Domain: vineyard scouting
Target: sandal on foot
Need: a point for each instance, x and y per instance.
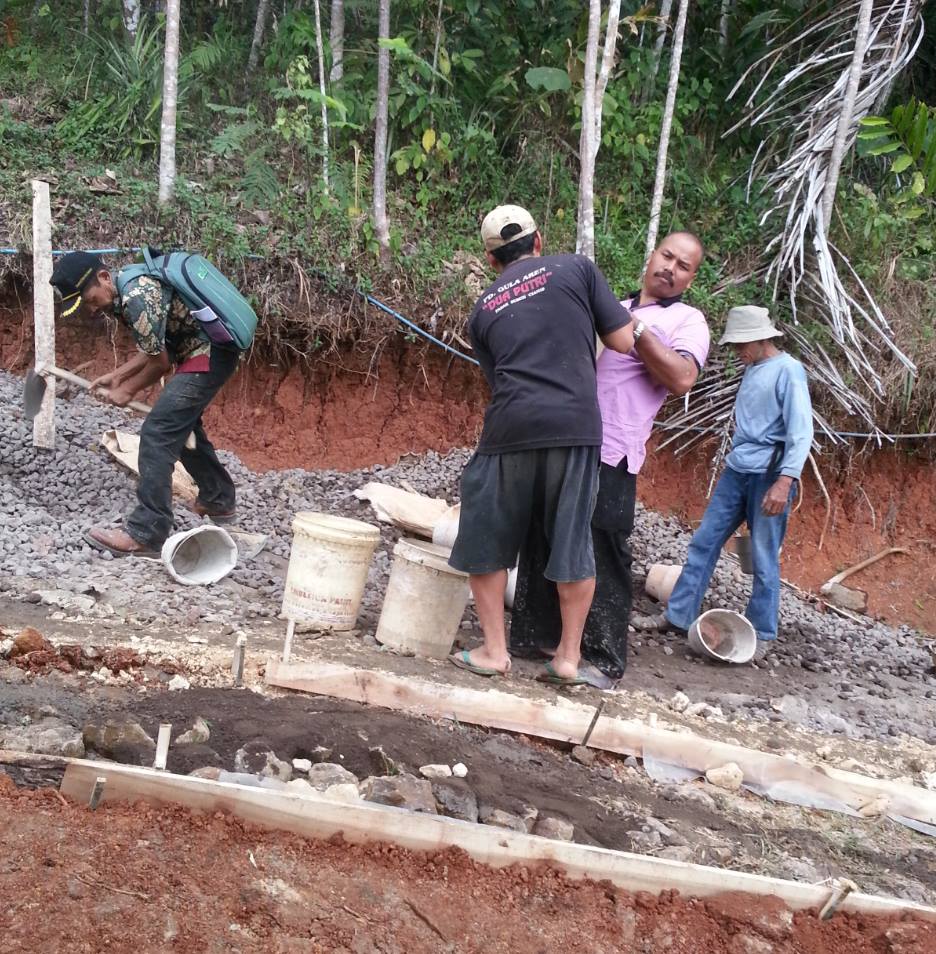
(462, 659)
(549, 675)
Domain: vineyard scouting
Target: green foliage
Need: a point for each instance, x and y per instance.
(908, 139)
(121, 111)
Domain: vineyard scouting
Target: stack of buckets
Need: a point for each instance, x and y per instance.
(328, 567)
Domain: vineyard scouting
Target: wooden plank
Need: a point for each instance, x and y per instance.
(314, 816)
(31, 770)
(569, 722)
(43, 311)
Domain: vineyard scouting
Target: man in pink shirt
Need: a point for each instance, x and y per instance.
(671, 345)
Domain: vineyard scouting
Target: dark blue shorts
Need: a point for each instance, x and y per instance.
(501, 494)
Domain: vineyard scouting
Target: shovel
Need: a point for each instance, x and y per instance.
(844, 596)
(35, 388)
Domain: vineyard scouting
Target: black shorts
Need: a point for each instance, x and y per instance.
(501, 493)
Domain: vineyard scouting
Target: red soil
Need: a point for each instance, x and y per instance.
(351, 410)
(139, 878)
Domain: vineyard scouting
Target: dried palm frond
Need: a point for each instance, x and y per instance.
(799, 88)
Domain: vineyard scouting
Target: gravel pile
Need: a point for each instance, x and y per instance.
(48, 499)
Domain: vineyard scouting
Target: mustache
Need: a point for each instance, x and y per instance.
(666, 275)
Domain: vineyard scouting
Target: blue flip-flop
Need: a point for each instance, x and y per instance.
(554, 679)
(462, 659)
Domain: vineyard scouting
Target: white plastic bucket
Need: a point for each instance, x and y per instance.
(200, 556)
(661, 579)
(425, 600)
(327, 572)
(736, 638)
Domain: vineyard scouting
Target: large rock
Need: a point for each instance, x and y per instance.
(401, 791)
(49, 736)
(256, 758)
(556, 828)
(488, 815)
(197, 735)
(122, 741)
(456, 800)
(326, 775)
(728, 776)
(29, 641)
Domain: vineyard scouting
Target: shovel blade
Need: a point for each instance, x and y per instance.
(33, 392)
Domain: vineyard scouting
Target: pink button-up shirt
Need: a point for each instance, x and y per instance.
(628, 396)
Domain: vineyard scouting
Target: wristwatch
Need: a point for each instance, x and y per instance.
(638, 330)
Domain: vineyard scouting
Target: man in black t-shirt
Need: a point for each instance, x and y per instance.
(533, 332)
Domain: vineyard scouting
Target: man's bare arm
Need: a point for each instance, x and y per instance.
(673, 370)
(150, 371)
(621, 340)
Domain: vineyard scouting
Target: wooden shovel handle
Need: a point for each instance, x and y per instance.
(864, 563)
(85, 385)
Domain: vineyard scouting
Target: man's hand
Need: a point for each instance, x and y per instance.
(104, 381)
(119, 396)
(775, 500)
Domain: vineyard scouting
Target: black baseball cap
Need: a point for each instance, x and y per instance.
(71, 273)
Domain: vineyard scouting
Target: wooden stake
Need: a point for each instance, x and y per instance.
(593, 723)
(842, 888)
(162, 745)
(237, 666)
(97, 792)
(43, 310)
(313, 815)
(287, 646)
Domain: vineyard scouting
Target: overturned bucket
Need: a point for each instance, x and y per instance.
(425, 601)
(723, 635)
(327, 572)
(661, 579)
(200, 556)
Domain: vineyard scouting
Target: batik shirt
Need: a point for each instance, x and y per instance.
(160, 321)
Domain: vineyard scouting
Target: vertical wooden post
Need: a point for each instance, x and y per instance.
(43, 311)
(162, 745)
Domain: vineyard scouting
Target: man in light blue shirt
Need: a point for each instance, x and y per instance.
(773, 435)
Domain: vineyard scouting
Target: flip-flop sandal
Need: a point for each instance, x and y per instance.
(553, 678)
(463, 660)
(101, 545)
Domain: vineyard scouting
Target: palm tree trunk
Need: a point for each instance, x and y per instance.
(381, 228)
(585, 238)
(131, 17)
(321, 66)
(656, 205)
(167, 133)
(845, 116)
(336, 41)
(263, 9)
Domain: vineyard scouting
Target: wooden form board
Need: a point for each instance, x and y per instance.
(569, 722)
(43, 311)
(314, 816)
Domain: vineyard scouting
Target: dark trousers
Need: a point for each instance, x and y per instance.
(536, 623)
(176, 414)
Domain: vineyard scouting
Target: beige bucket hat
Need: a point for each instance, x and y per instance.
(748, 323)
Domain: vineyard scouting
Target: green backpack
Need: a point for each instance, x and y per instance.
(221, 310)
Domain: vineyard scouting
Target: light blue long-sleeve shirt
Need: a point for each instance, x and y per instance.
(773, 407)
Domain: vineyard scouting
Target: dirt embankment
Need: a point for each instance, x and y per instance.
(138, 882)
(354, 409)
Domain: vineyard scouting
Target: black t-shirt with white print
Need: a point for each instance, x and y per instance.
(533, 332)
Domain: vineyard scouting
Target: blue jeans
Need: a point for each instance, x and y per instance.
(176, 414)
(737, 498)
